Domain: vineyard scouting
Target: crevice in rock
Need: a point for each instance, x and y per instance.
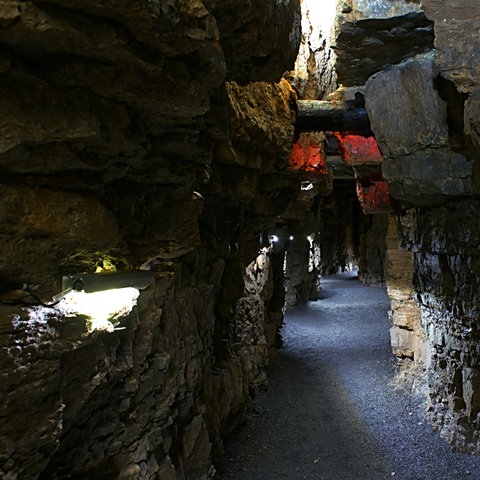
(455, 102)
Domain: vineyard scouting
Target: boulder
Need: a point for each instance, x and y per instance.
(409, 120)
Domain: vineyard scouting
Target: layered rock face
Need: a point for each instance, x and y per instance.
(123, 148)
(314, 75)
(407, 336)
(456, 40)
(420, 163)
(430, 152)
(445, 245)
(416, 64)
(373, 35)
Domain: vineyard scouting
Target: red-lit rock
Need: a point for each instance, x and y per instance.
(358, 150)
(308, 153)
(374, 196)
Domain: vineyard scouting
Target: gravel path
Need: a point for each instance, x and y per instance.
(331, 411)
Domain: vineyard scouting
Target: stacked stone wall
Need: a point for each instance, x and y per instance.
(446, 282)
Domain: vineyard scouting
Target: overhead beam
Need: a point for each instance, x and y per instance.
(324, 116)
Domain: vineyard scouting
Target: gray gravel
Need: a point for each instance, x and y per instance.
(332, 410)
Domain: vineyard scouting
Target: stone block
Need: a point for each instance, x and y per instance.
(365, 46)
(428, 177)
(406, 113)
(405, 343)
(374, 196)
(406, 315)
(358, 150)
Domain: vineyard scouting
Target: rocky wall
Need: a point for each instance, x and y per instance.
(351, 239)
(373, 35)
(339, 234)
(314, 76)
(301, 233)
(446, 281)
(406, 333)
(122, 148)
(456, 40)
(302, 270)
(431, 159)
(420, 165)
(372, 249)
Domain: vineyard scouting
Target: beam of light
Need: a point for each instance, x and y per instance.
(101, 309)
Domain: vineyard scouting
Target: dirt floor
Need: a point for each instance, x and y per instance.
(333, 410)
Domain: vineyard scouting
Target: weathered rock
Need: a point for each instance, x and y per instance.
(314, 76)
(450, 229)
(308, 155)
(472, 118)
(262, 118)
(409, 121)
(260, 41)
(171, 27)
(104, 105)
(166, 230)
(43, 227)
(302, 270)
(358, 150)
(372, 248)
(405, 111)
(406, 333)
(438, 173)
(339, 235)
(372, 36)
(456, 40)
(119, 138)
(446, 283)
(374, 195)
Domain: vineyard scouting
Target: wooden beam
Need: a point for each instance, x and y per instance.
(324, 116)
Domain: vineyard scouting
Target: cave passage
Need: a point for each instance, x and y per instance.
(335, 408)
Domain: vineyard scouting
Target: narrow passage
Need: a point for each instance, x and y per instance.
(331, 411)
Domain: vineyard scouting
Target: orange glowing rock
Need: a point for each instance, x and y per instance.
(308, 156)
(358, 150)
(374, 196)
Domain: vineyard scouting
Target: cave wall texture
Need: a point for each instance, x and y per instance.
(430, 150)
(140, 134)
(157, 135)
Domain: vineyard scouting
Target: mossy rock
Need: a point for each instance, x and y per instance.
(92, 262)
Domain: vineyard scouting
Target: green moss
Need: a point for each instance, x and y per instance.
(89, 262)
